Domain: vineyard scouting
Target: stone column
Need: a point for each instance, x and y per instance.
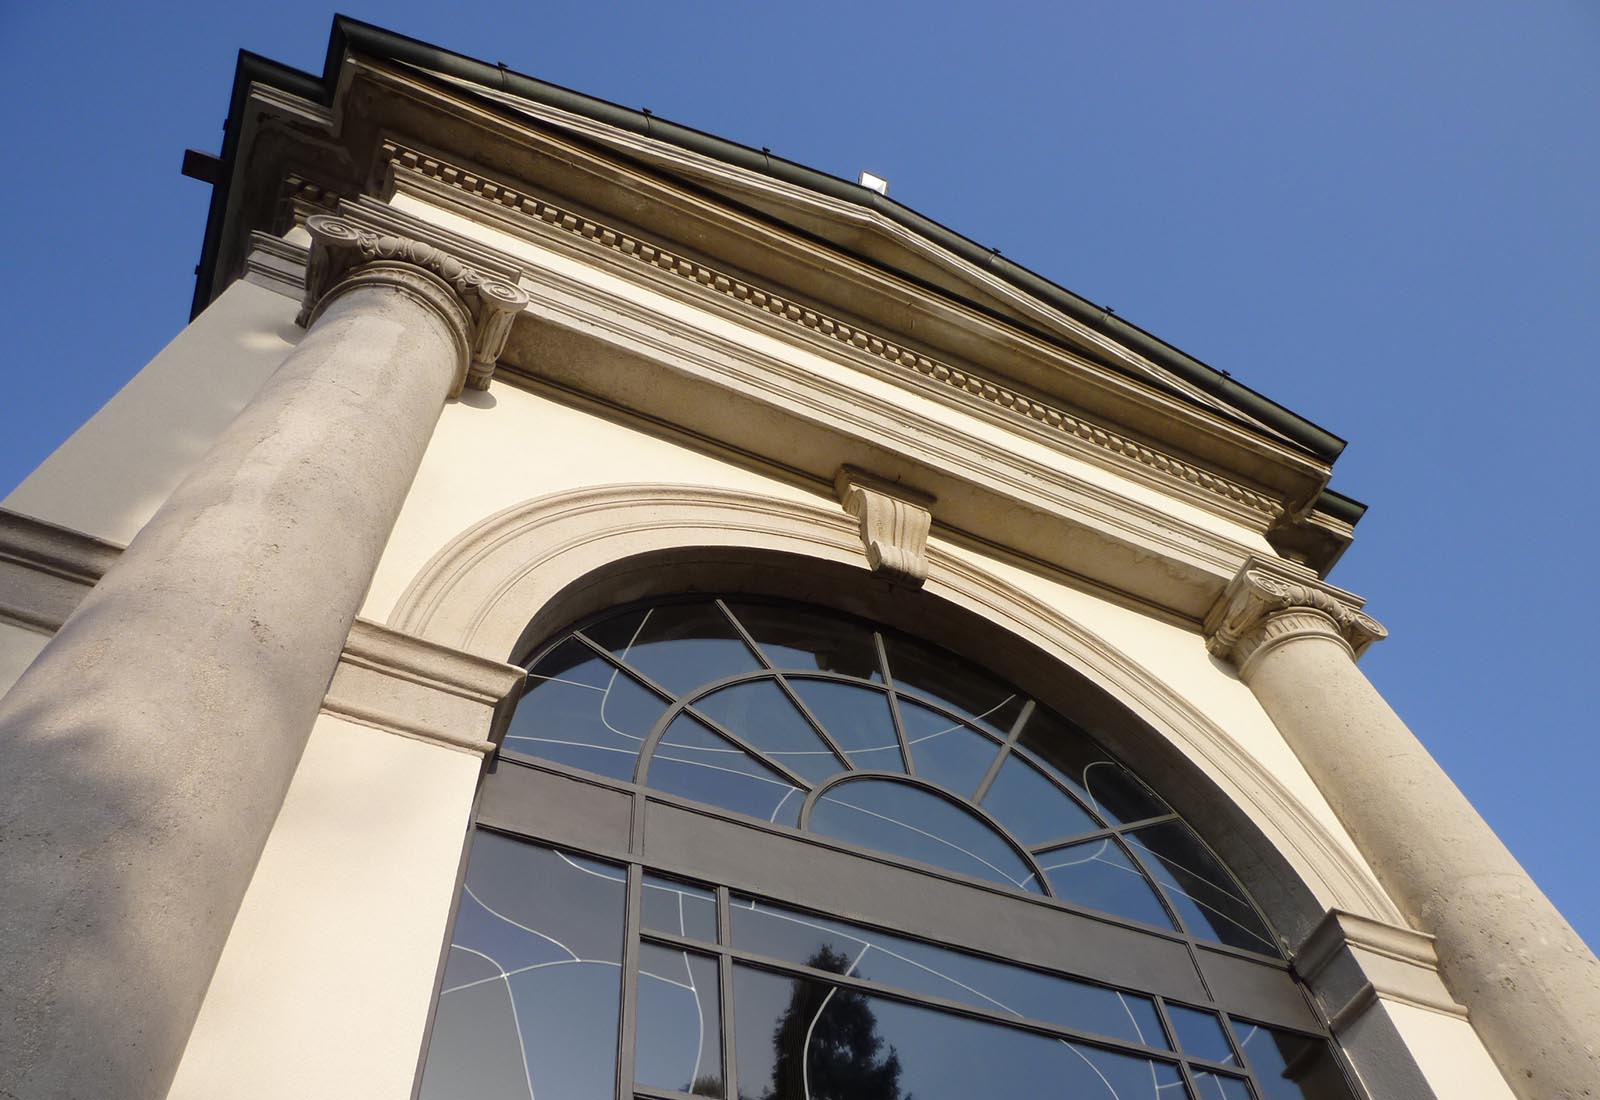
(1531, 986)
(144, 755)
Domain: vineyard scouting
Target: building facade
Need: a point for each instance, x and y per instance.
(587, 609)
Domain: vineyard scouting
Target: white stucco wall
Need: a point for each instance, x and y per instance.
(326, 981)
(111, 475)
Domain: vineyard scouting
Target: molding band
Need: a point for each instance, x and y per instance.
(1009, 401)
(421, 689)
(46, 570)
(1350, 961)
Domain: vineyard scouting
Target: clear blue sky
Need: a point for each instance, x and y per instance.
(1383, 215)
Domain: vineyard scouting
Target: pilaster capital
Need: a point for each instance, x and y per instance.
(1271, 601)
(478, 307)
(895, 521)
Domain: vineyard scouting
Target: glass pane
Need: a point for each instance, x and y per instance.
(955, 682)
(531, 993)
(1033, 808)
(909, 821)
(577, 709)
(1105, 785)
(1200, 888)
(679, 646)
(919, 967)
(762, 714)
(800, 1039)
(668, 905)
(944, 751)
(679, 1044)
(1098, 874)
(858, 720)
(1290, 1067)
(694, 762)
(793, 638)
(1219, 1086)
(1200, 1034)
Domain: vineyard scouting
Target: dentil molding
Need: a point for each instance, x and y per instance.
(1271, 601)
(480, 307)
(894, 522)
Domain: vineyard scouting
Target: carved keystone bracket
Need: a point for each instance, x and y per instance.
(894, 521)
(1270, 601)
(341, 249)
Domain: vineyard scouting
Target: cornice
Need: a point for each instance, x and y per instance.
(1106, 446)
(1350, 961)
(45, 570)
(1272, 601)
(409, 686)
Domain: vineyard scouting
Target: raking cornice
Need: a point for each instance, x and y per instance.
(1115, 449)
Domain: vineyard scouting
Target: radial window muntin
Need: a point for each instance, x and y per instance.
(1169, 910)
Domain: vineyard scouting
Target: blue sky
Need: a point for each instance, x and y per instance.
(1382, 215)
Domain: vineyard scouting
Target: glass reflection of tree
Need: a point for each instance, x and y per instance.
(827, 1044)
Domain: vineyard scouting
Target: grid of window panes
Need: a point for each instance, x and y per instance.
(572, 978)
(821, 722)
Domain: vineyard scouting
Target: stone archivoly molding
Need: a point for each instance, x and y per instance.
(1350, 961)
(1009, 401)
(45, 570)
(423, 690)
(1271, 601)
(895, 522)
(342, 250)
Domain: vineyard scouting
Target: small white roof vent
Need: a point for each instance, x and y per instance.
(874, 183)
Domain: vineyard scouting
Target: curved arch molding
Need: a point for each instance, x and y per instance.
(481, 590)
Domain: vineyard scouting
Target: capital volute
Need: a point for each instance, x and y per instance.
(1270, 602)
(479, 308)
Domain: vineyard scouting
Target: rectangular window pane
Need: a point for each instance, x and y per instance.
(799, 1038)
(678, 909)
(1289, 1066)
(679, 1042)
(532, 987)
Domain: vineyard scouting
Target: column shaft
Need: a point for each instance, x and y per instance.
(1531, 985)
(145, 754)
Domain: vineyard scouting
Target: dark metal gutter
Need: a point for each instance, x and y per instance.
(351, 35)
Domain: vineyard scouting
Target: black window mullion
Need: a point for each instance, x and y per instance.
(1098, 834)
(894, 704)
(722, 731)
(1005, 751)
(629, 1029)
(730, 1071)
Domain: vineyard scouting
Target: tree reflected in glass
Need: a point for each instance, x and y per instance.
(826, 1044)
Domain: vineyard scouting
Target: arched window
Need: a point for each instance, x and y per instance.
(755, 850)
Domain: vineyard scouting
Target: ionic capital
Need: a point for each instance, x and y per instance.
(478, 308)
(1270, 602)
(895, 522)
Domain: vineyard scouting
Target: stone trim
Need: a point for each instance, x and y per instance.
(46, 570)
(1272, 601)
(1349, 961)
(276, 264)
(895, 521)
(479, 308)
(1012, 404)
(423, 690)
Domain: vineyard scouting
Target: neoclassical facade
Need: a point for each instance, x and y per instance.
(587, 609)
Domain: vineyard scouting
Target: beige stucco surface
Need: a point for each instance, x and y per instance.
(1449, 1053)
(109, 477)
(18, 647)
(325, 985)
